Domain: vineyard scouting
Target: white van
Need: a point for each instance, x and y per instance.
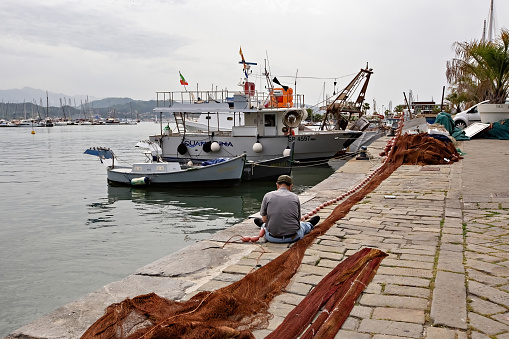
(468, 117)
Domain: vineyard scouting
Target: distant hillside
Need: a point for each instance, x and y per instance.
(110, 102)
(120, 107)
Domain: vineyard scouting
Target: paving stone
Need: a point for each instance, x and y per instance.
(306, 278)
(373, 288)
(333, 249)
(490, 293)
(452, 230)
(343, 334)
(275, 322)
(415, 252)
(361, 311)
(406, 281)
(260, 334)
(280, 309)
(448, 306)
(477, 248)
(407, 263)
(474, 275)
(440, 333)
(503, 318)
(314, 269)
(384, 336)
(288, 298)
(213, 285)
(452, 238)
(328, 263)
(407, 291)
(451, 261)
(486, 325)
(484, 307)
(399, 314)
(393, 301)
(482, 257)
(451, 247)
(426, 258)
(391, 328)
(493, 269)
(326, 255)
(477, 335)
(298, 288)
(350, 324)
(238, 269)
(402, 271)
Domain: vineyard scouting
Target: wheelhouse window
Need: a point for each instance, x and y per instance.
(270, 120)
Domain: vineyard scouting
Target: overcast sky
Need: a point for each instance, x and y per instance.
(133, 48)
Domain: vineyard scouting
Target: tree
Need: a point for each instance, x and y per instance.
(365, 108)
(398, 109)
(480, 69)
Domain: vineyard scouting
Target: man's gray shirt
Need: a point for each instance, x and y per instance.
(282, 209)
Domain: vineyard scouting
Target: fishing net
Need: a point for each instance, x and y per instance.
(236, 310)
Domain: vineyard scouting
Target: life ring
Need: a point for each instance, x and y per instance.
(207, 147)
(182, 149)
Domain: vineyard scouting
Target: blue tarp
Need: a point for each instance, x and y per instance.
(213, 161)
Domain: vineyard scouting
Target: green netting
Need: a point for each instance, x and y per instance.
(445, 119)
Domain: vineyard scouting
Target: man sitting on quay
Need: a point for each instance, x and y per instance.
(280, 213)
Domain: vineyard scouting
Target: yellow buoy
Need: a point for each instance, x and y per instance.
(33, 132)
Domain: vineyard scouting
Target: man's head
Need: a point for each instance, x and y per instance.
(284, 180)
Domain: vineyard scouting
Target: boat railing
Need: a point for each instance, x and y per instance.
(253, 99)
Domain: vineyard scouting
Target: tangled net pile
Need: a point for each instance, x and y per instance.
(236, 310)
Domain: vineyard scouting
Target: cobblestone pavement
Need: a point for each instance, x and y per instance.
(445, 228)
(447, 272)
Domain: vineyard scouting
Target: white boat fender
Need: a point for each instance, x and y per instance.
(287, 152)
(140, 181)
(182, 149)
(206, 147)
(215, 147)
(257, 147)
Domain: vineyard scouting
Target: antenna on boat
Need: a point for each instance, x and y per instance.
(270, 85)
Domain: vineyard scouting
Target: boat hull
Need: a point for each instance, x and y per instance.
(308, 146)
(267, 169)
(227, 173)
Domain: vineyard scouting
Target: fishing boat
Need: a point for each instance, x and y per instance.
(261, 125)
(217, 172)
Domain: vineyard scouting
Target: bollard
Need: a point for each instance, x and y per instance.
(362, 154)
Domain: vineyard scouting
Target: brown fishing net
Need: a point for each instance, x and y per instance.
(236, 310)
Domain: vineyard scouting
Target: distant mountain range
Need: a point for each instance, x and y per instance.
(14, 103)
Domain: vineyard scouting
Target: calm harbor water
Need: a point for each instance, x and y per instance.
(65, 233)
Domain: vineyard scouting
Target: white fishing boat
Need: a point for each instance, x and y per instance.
(260, 125)
(217, 172)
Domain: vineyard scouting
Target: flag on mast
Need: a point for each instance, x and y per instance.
(246, 67)
(182, 80)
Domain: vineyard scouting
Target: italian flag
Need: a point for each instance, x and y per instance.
(182, 80)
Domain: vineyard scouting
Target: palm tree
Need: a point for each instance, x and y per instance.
(481, 69)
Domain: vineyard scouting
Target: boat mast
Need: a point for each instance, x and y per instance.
(490, 23)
